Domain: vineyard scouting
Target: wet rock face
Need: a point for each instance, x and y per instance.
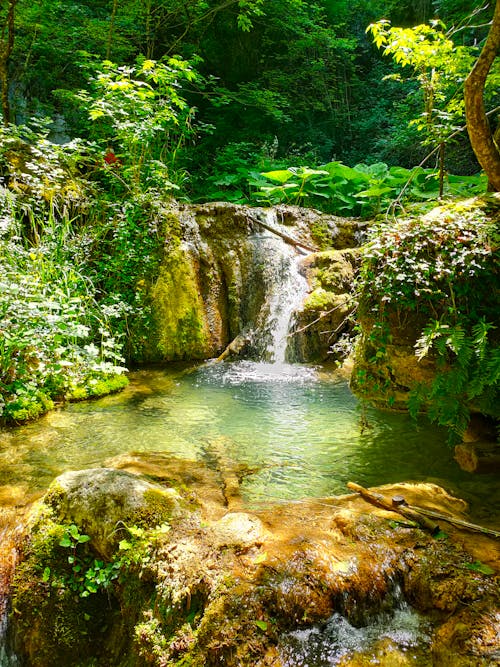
(326, 313)
(212, 287)
(217, 586)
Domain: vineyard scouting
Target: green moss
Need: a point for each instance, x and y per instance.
(96, 387)
(57, 627)
(178, 313)
(157, 510)
(321, 300)
(27, 407)
(321, 234)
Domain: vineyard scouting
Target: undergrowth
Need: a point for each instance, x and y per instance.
(442, 268)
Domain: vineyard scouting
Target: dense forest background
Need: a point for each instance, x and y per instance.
(270, 81)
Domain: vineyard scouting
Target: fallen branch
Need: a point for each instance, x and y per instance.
(288, 239)
(408, 513)
(456, 522)
(418, 514)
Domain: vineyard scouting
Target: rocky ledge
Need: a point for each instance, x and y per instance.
(154, 561)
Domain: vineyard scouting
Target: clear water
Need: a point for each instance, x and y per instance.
(302, 429)
(299, 428)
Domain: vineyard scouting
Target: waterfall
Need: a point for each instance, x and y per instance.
(286, 289)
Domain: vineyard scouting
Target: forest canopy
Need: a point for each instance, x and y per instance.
(271, 81)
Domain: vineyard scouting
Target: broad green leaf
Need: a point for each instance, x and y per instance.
(339, 169)
(281, 175)
(65, 541)
(262, 625)
(477, 566)
(375, 191)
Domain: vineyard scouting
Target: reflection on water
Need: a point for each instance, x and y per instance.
(301, 430)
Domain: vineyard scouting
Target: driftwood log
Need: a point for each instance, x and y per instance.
(420, 515)
(400, 508)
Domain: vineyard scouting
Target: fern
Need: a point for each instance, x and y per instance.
(443, 270)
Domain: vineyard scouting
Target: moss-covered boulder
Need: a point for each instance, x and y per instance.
(326, 315)
(99, 500)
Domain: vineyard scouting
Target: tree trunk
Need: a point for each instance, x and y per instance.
(6, 46)
(111, 29)
(478, 127)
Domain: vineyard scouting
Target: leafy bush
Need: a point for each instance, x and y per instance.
(140, 112)
(55, 339)
(441, 268)
(363, 190)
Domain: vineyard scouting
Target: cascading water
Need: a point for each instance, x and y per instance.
(399, 630)
(286, 289)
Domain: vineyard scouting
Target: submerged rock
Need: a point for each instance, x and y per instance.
(208, 586)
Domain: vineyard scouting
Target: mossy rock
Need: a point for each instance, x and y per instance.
(325, 313)
(226, 591)
(100, 500)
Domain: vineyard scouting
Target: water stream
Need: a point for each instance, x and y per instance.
(397, 635)
(300, 427)
(286, 289)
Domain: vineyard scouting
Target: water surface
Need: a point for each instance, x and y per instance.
(300, 429)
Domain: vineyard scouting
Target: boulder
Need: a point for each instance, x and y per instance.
(232, 587)
(101, 500)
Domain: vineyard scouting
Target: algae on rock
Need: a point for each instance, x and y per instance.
(212, 287)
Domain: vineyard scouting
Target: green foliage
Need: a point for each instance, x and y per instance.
(477, 566)
(56, 339)
(78, 571)
(45, 178)
(440, 268)
(439, 66)
(363, 190)
(82, 573)
(140, 110)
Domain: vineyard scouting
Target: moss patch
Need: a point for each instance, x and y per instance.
(178, 313)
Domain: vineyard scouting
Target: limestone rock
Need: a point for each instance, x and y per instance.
(212, 284)
(99, 500)
(227, 589)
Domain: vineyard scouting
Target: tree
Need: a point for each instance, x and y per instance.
(6, 47)
(439, 66)
(483, 143)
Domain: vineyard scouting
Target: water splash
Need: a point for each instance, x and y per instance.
(401, 630)
(236, 373)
